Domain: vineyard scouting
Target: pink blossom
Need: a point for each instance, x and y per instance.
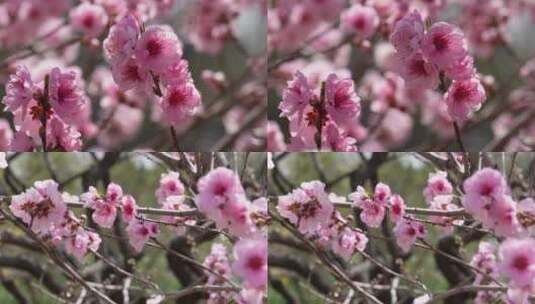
(464, 97)
(62, 137)
(437, 184)
(42, 206)
(180, 101)
(517, 261)
(217, 261)
(219, 187)
(79, 242)
(372, 211)
(91, 19)
(335, 139)
(481, 189)
(443, 202)
(128, 74)
(176, 203)
(157, 47)
(121, 41)
(114, 193)
(140, 231)
(250, 262)
(104, 209)
(485, 260)
(503, 217)
(104, 213)
(307, 207)
(419, 73)
(397, 207)
(296, 96)
(18, 90)
(177, 73)
(66, 96)
(407, 231)
(461, 69)
(444, 44)
(222, 198)
(347, 241)
(128, 208)
(170, 185)
(342, 103)
(408, 34)
(361, 20)
(382, 194)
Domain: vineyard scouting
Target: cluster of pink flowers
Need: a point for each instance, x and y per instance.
(437, 184)
(439, 196)
(441, 50)
(148, 60)
(513, 260)
(44, 209)
(171, 196)
(105, 209)
(373, 210)
(222, 198)
(57, 102)
(407, 231)
(373, 207)
(40, 206)
(487, 197)
(250, 264)
(311, 209)
(486, 261)
(217, 261)
(517, 263)
(320, 117)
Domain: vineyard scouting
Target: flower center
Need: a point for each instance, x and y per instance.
(220, 189)
(42, 209)
(461, 93)
(176, 97)
(521, 262)
(255, 262)
(359, 23)
(309, 209)
(154, 47)
(132, 72)
(486, 190)
(64, 92)
(418, 68)
(440, 42)
(88, 21)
